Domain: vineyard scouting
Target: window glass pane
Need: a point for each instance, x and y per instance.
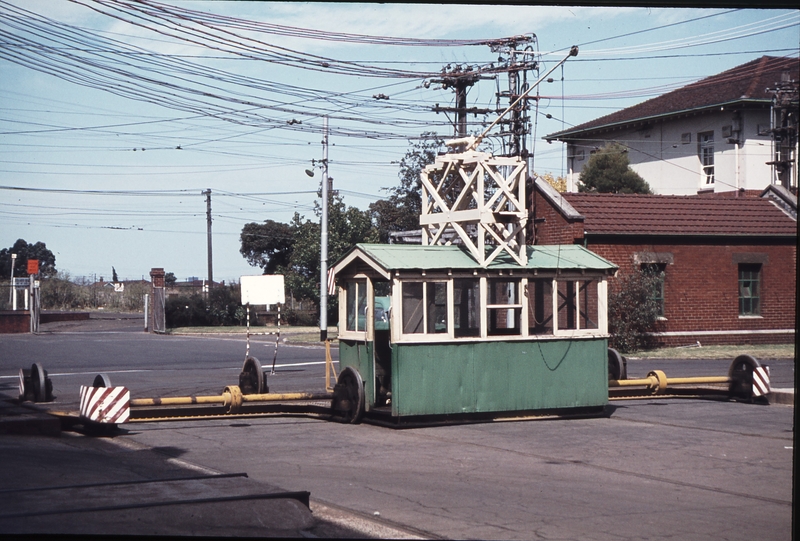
(466, 295)
(437, 307)
(356, 305)
(540, 306)
(412, 307)
(503, 320)
(749, 289)
(566, 305)
(361, 321)
(587, 296)
(351, 306)
(705, 148)
(383, 305)
(659, 270)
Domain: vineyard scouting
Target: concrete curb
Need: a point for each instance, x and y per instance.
(781, 396)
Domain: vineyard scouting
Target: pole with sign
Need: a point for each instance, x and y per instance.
(33, 270)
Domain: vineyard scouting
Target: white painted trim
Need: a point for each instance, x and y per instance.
(719, 333)
(441, 338)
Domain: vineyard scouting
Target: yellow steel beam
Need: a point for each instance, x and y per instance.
(657, 381)
(226, 398)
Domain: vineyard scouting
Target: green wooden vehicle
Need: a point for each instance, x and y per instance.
(427, 332)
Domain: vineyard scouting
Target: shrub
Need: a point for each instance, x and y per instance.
(221, 308)
(60, 293)
(301, 318)
(633, 311)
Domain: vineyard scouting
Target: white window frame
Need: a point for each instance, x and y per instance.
(369, 331)
(396, 321)
(705, 142)
(398, 317)
(602, 307)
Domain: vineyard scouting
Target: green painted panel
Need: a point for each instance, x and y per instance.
(477, 377)
(408, 256)
(359, 356)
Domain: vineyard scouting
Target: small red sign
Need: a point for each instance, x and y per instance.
(33, 266)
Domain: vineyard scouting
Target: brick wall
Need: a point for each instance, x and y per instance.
(551, 226)
(701, 288)
(15, 321)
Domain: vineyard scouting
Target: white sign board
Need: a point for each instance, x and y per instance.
(264, 289)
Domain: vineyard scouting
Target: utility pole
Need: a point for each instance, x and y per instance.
(518, 64)
(520, 58)
(460, 81)
(323, 263)
(207, 193)
(784, 128)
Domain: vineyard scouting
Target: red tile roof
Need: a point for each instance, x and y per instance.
(748, 82)
(628, 214)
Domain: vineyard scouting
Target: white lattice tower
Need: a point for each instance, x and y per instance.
(479, 197)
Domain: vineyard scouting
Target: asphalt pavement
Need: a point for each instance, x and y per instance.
(658, 469)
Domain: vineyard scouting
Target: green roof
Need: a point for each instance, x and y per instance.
(392, 257)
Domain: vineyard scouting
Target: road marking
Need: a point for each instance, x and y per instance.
(287, 365)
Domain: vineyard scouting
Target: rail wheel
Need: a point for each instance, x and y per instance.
(101, 380)
(741, 374)
(617, 365)
(348, 396)
(39, 383)
(252, 380)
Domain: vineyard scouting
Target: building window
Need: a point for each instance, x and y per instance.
(540, 306)
(424, 307)
(466, 300)
(658, 271)
(357, 305)
(504, 308)
(588, 314)
(749, 289)
(686, 138)
(705, 150)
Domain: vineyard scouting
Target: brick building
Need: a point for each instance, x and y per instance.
(729, 263)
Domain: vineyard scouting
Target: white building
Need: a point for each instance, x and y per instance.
(723, 133)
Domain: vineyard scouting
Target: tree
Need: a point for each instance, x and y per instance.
(114, 277)
(633, 310)
(25, 251)
(401, 210)
(170, 279)
(267, 245)
(558, 183)
(293, 249)
(346, 226)
(608, 171)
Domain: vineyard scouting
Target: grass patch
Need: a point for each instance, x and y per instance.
(759, 351)
(292, 334)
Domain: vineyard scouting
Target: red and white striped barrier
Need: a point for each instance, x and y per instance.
(110, 405)
(761, 381)
(22, 384)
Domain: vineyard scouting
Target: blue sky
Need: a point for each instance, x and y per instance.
(110, 130)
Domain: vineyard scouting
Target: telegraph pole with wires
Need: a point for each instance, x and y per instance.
(207, 193)
(517, 57)
(518, 63)
(460, 80)
(323, 257)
